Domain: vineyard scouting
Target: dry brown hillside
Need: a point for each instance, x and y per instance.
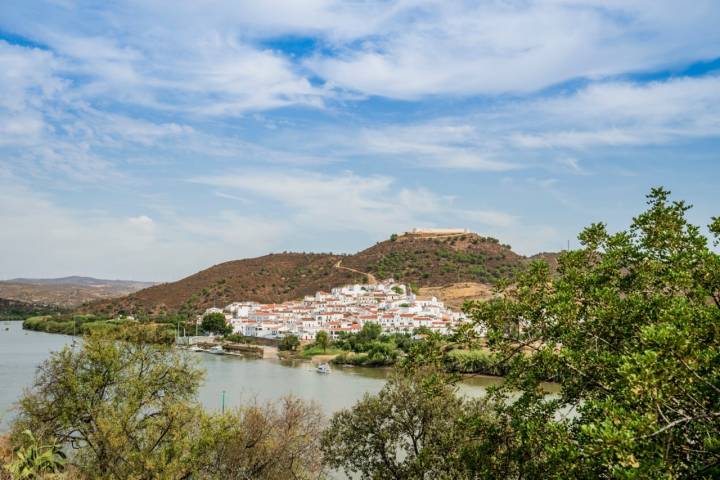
(424, 261)
(268, 279)
(66, 293)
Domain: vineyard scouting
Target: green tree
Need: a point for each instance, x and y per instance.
(322, 340)
(629, 326)
(410, 430)
(215, 323)
(370, 331)
(289, 342)
(128, 410)
(124, 408)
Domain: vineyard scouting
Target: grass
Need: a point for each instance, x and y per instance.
(313, 350)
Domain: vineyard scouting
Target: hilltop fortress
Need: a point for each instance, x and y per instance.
(437, 231)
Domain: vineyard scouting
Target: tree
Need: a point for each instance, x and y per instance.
(629, 326)
(123, 408)
(215, 323)
(393, 237)
(289, 342)
(411, 429)
(272, 441)
(370, 331)
(322, 340)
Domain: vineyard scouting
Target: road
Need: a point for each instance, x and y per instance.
(370, 277)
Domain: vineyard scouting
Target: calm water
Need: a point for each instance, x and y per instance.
(243, 380)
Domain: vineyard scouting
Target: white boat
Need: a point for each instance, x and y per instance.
(323, 368)
(195, 348)
(217, 350)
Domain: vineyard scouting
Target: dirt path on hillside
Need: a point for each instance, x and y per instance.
(370, 277)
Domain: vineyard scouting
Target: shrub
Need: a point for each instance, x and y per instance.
(472, 361)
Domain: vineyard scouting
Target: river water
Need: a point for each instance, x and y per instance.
(242, 380)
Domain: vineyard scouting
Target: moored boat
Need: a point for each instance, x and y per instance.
(323, 368)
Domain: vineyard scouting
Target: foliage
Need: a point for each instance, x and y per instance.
(409, 430)
(473, 361)
(16, 310)
(370, 347)
(289, 342)
(34, 461)
(378, 354)
(85, 324)
(126, 410)
(630, 325)
(121, 406)
(322, 340)
(215, 323)
(273, 441)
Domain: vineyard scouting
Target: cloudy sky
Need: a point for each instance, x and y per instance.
(147, 139)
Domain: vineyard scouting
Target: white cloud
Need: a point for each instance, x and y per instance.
(48, 240)
(350, 202)
(437, 48)
(623, 113)
(516, 135)
(436, 144)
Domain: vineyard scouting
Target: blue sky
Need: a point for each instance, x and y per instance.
(150, 139)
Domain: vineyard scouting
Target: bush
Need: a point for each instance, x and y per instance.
(473, 361)
(289, 343)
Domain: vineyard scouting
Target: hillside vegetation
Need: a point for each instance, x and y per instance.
(422, 261)
(17, 310)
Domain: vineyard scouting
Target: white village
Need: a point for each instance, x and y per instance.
(342, 310)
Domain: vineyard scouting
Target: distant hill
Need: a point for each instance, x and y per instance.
(67, 291)
(421, 260)
(84, 281)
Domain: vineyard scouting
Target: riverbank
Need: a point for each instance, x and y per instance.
(379, 351)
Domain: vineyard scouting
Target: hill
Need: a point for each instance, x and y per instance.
(420, 260)
(86, 282)
(66, 292)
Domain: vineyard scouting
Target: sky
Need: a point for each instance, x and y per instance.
(149, 139)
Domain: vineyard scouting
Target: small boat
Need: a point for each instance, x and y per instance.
(323, 368)
(217, 350)
(195, 348)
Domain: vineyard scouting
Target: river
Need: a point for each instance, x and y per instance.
(242, 380)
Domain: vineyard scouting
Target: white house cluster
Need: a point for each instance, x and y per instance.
(344, 309)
